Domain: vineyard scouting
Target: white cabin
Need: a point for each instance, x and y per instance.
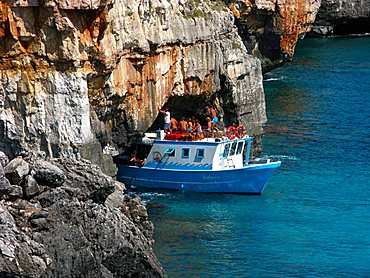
(205, 154)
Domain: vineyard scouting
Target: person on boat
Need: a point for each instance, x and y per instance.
(134, 161)
(190, 125)
(173, 125)
(183, 125)
(193, 122)
(211, 111)
(197, 127)
(167, 119)
(209, 125)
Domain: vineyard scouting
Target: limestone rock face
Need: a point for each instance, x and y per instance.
(338, 17)
(77, 75)
(271, 28)
(85, 226)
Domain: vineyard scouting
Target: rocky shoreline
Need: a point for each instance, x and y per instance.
(64, 218)
(77, 76)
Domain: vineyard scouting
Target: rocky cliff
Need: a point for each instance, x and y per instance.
(77, 75)
(337, 17)
(63, 218)
(270, 29)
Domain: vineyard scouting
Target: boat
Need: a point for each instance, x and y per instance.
(215, 163)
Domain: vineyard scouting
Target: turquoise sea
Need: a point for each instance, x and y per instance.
(313, 220)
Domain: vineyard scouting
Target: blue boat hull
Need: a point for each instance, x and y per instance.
(251, 179)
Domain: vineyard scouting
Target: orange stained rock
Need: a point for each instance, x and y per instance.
(142, 82)
(295, 21)
(235, 11)
(248, 3)
(3, 17)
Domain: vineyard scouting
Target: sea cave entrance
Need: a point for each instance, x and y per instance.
(359, 26)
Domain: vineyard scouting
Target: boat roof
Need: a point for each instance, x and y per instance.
(184, 137)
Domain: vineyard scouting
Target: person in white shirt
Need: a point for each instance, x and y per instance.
(167, 119)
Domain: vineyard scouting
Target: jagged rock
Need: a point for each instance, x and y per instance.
(67, 238)
(16, 170)
(30, 187)
(77, 229)
(48, 174)
(1, 171)
(342, 17)
(85, 180)
(4, 160)
(4, 186)
(137, 209)
(39, 214)
(15, 191)
(21, 255)
(39, 224)
(48, 198)
(115, 200)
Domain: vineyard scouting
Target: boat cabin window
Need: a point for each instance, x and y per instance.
(185, 153)
(233, 148)
(226, 150)
(239, 149)
(200, 153)
(170, 152)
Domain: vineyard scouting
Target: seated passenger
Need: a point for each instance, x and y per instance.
(183, 125)
(190, 125)
(209, 125)
(173, 125)
(134, 161)
(197, 127)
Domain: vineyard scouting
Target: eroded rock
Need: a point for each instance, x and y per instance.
(83, 227)
(89, 73)
(339, 17)
(16, 170)
(48, 174)
(4, 160)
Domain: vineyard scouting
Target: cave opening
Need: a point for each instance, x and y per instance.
(359, 26)
(183, 106)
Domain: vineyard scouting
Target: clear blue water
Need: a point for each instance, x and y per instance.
(313, 220)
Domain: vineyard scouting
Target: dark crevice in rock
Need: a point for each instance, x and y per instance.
(182, 106)
(261, 39)
(353, 26)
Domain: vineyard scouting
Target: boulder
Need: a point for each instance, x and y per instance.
(115, 200)
(48, 174)
(30, 187)
(16, 170)
(15, 191)
(4, 186)
(21, 255)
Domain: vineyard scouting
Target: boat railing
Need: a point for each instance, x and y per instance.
(195, 136)
(192, 136)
